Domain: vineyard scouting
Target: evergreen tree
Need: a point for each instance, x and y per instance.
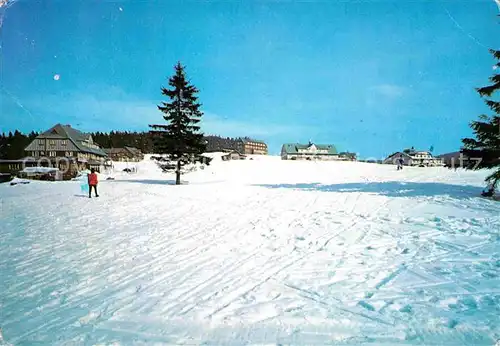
(12, 146)
(3, 146)
(485, 148)
(180, 139)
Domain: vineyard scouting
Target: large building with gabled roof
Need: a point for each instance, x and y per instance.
(412, 157)
(66, 148)
(310, 151)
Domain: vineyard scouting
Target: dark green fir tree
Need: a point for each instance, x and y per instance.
(180, 139)
(484, 149)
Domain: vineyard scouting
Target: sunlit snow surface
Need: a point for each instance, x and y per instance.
(258, 251)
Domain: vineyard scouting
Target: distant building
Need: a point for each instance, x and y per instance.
(232, 155)
(66, 148)
(250, 146)
(310, 151)
(347, 156)
(15, 166)
(412, 157)
(245, 145)
(456, 160)
(130, 154)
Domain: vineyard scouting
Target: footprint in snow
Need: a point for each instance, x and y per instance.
(434, 300)
(366, 305)
(452, 323)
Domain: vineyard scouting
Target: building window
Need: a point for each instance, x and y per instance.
(52, 142)
(40, 142)
(52, 153)
(64, 143)
(68, 154)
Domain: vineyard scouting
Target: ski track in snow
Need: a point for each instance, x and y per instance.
(262, 251)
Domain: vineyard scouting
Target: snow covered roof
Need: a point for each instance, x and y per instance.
(398, 153)
(246, 140)
(39, 169)
(293, 148)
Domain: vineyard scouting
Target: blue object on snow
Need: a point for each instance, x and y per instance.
(84, 186)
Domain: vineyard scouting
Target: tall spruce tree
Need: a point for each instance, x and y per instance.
(485, 148)
(181, 139)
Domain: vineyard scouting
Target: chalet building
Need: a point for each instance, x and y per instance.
(310, 151)
(129, 154)
(412, 157)
(66, 148)
(10, 168)
(347, 156)
(248, 146)
(15, 166)
(232, 155)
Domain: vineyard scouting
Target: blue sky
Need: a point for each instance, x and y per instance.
(370, 77)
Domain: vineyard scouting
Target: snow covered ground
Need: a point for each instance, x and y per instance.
(258, 251)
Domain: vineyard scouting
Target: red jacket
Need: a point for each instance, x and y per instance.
(92, 177)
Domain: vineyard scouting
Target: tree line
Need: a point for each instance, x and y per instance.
(12, 144)
(119, 139)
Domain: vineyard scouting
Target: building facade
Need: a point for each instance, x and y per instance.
(10, 168)
(412, 157)
(347, 156)
(66, 148)
(125, 154)
(232, 155)
(248, 146)
(310, 151)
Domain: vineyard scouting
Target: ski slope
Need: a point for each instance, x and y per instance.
(258, 251)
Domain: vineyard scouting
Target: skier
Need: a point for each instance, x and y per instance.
(400, 162)
(92, 180)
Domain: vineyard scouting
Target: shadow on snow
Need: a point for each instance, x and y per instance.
(149, 181)
(162, 182)
(390, 188)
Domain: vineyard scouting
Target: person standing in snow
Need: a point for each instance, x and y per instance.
(400, 163)
(92, 180)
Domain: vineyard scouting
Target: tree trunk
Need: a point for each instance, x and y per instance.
(178, 173)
